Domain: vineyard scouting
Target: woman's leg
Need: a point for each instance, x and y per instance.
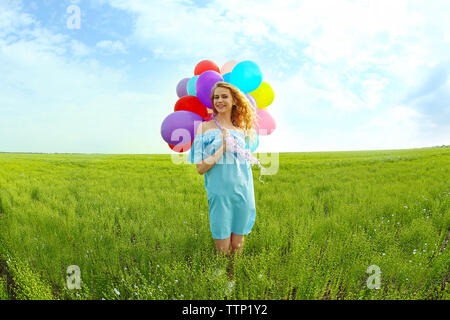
(237, 243)
(223, 245)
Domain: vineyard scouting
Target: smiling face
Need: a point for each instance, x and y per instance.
(223, 100)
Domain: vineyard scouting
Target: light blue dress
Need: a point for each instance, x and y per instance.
(228, 184)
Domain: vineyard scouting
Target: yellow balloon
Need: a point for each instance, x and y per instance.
(264, 95)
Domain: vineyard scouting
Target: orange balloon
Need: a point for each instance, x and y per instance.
(228, 66)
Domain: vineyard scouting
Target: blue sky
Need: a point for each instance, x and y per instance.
(347, 75)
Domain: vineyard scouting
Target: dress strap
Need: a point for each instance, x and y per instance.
(217, 122)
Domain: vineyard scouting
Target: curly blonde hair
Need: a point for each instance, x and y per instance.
(243, 114)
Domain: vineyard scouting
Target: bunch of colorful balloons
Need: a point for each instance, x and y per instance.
(194, 104)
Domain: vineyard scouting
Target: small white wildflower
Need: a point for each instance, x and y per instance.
(230, 287)
(384, 254)
(157, 265)
(117, 291)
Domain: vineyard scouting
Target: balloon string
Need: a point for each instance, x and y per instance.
(244, 153)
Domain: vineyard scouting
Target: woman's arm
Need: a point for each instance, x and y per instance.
(208, 163)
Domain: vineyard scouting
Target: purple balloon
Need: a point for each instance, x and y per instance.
(181, 87)
(252, 100)
(204, 85)
(180, 127)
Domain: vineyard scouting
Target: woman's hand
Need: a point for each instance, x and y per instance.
(225, 134)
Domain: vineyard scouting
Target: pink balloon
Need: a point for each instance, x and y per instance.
(266, 124)
(228, 66)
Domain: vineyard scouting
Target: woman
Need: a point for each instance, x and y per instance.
(228, 177)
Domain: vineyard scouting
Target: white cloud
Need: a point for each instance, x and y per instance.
(79, 49)
(50, 102)
(375, 44)
(373, 88)
(11, 19)
(111, 46)
(396, 127)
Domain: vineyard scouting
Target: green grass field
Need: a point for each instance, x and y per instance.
(137, 227)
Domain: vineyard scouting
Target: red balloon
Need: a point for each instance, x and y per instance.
(209, 117)
(182, 148)
(205, 65)
(192, 104)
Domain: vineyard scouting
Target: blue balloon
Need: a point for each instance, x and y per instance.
(247, 76)
(191, 86)
(227, 77)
